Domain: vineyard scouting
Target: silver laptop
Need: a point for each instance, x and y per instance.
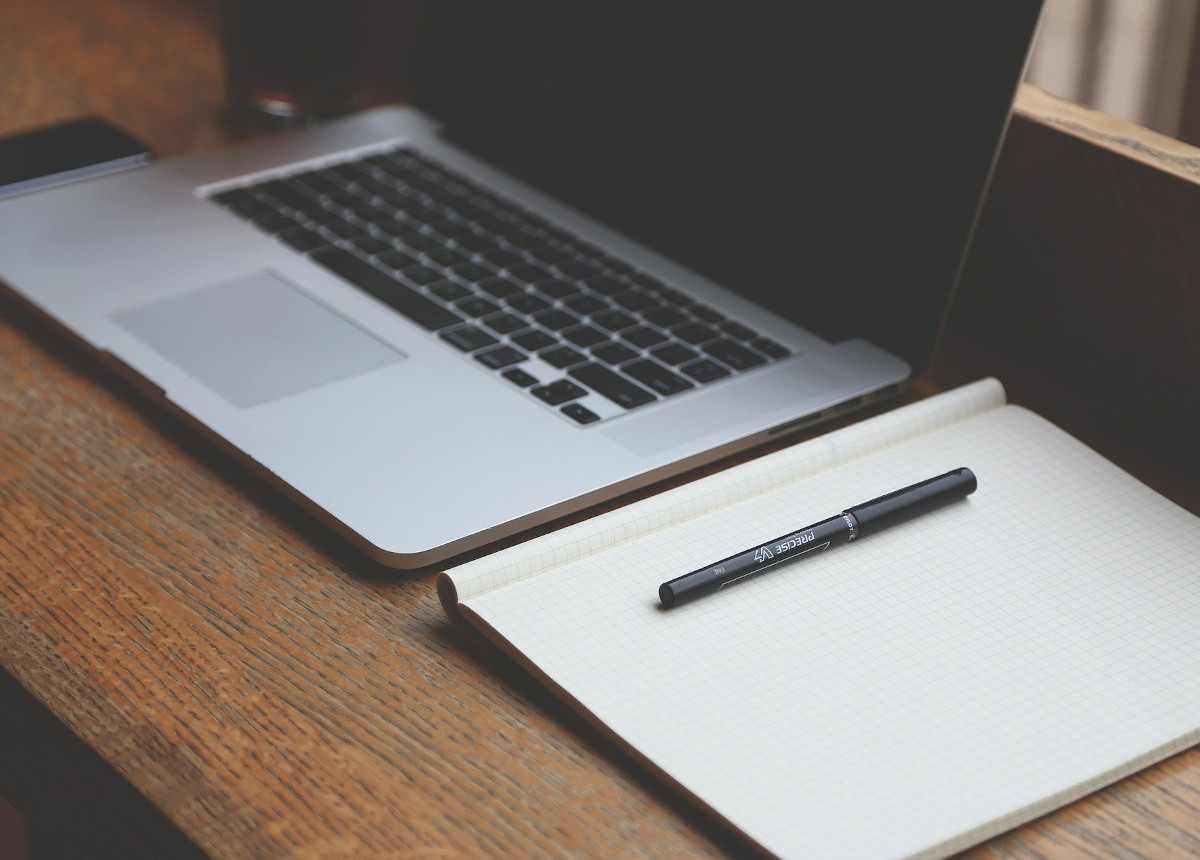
(611, 242)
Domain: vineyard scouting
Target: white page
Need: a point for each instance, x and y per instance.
(913, 693)
(724, 488)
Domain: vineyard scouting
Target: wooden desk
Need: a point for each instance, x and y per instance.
(192, 666)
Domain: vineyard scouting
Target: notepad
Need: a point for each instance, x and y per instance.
(906, 696)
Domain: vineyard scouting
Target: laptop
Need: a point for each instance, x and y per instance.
(609, 242)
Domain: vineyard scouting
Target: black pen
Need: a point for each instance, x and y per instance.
(849, 525)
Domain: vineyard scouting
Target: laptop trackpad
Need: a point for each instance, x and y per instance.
(255, 339)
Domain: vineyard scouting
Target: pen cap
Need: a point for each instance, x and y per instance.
(913, 501)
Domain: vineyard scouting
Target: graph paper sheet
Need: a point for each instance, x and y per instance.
(909, 695)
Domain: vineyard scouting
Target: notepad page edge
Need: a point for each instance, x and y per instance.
(703, 495)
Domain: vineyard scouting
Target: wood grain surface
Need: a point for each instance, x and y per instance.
(194, 667)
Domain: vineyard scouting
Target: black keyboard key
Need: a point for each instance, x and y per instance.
(372, 187)
(380, 162)
(449, 291)
(521, 239)
(576, 269)
(734, 354)
(707, 314)
(396, 198)
(547, 254)
(423, 275)
(527, 272)
(343, 174)
(476, 307)
(321, 216)
(585, 336)
(562, 356)
(314, 180)
(664, 317)
(500, 287)
(585, 305)
(737, 330)
(393, 227)
(504, 323)
(517, 376)
(445, 257)
(472, 242)
(580, 413)
(556, 288)
(501, 356)
(418, 213)
(468, 338)
(647, 281)
(770, 348)
(421, 310)
(395, 259)
(526, 304)
(694, 333)
(274, 222)
(501, 257)
(656, 377)
(390, 168)
(608, 384)
(472, 272)
(445, 224)
(555, 320)
(489, 223)
(559, 392)
(644, 336)
(635, 301)
(371, 244)
(704, 370)
(614, 353)
(452, 229)
(534, 340)
(607, 285)
(673, 353)
(341, 199)
(368, 174)
(303, 239)
(368, 213)
(614, 320)
(343, 230)
(419, 242)
(242, 202)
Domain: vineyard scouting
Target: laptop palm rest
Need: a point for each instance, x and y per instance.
(255, 338)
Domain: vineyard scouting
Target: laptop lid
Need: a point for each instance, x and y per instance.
(825, 160)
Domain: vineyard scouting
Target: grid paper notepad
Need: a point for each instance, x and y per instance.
(907, 696)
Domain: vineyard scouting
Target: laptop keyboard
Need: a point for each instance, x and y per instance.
(502, 284)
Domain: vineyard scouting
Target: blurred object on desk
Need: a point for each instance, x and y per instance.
(292, 61)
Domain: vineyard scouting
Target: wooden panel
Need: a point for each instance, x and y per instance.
(1086, 269)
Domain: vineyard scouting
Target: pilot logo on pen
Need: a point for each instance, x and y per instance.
(762, 554)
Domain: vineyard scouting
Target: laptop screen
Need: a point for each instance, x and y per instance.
(825, 160)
